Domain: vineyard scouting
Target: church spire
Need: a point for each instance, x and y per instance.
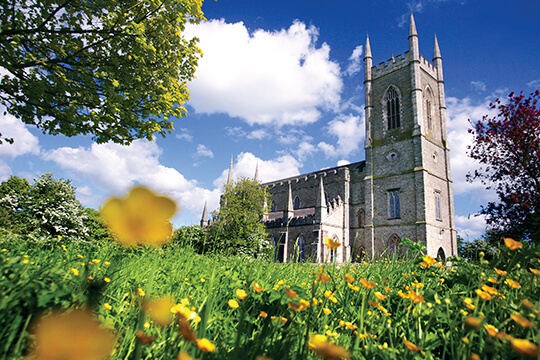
(413, 40)
(436, 50)
(204, 219)
(256, 177)
(230, 176)
(412, 27)
(368, 48)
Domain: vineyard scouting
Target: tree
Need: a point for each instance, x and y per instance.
(115, 69)
(508, 147)
(239, 228)
(48, 207)
(13, 193)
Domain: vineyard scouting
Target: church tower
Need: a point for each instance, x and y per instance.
(408, 187)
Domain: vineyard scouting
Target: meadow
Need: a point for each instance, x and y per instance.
(169, 302)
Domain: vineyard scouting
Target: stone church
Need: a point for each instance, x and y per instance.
(402, 190)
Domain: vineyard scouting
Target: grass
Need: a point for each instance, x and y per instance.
(411, 312)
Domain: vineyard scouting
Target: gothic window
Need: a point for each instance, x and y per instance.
(361, 218)
(300, 248)
(429, 109)
(297, 202)
(441, 255)
(392, 108)
(393, 244)
(333, 252)
(438, 205)
(360, 254)
(273, 206)
(393, 204)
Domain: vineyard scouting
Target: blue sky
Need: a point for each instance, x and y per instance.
(281, 85)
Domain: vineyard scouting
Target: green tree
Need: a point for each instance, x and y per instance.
(97, 230)
(238, 228)
(49, 207)
(13, 193)
(115, 69)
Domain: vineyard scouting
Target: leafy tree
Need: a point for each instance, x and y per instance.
(238, 228)
(97, 230)
(13, 193)
(193, 236)
(508, 147)
(115, 69)
(48, 207)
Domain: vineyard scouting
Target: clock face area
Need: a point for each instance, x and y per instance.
(392, 156)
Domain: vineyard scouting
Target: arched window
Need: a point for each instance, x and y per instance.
(361, 218)
(429, 109)
(297, 202)
(393, 244)
(300, 248)
(441, 255)
(393, 204)
(360, 254)
(273, 206)
(392, 108)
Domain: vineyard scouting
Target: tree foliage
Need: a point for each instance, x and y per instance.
(508, 147)
(238, 228)
(115, 69)
(47, 207)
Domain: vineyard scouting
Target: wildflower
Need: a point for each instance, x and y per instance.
(75, 272)
(524, 347)
(146, 325)
(299, 306)
(491, 330)
(233, 304)
(349, 278)
(429, 260)
(494, 281)
(513, 284)
(409, 345)
(490, 290)
(414, 297)
(324, 278)
(185, 329)
(281, 282)
(107, 306)
(527, 304)
(183, 356)
(291, 293)
(327, 350)
(403, 295)
(257, 288)
(373, 303)
(330, 296)
(241, 294)
(142, 218)
(331, 243)
(203, 280)
(140, 292)
(160, 310)
(327, 311)
(205, 345)
(368, 284)
(365, 263)
(512, 244)
(63, 248)
(501, 272)
(535, 271)
(350, 326)
(315, 301)
(473, 322)
(107, 280)
(73, 335)
(283, 319)
(352, 287)
(474, 356)
(90, 277)
(469, 304)
(263, 314)
(387, 289)
(521, 320)
(106, 263)
(380, 296)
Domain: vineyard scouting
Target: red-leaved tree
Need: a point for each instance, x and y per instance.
(508, 147)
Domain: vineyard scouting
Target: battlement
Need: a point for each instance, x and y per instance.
(399, 62)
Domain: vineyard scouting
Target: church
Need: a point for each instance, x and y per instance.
(403, 188)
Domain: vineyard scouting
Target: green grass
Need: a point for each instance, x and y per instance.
(37, 276)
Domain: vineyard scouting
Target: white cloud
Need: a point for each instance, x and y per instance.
(24, 141)
(270, 78)
(343, 162)
(470, 227)
(355, 61)
(203, 151)
(115, 168)
(478, 85)
(183, 134)
(534, 84)
(257, 134)
(268, 170)
(349, 129)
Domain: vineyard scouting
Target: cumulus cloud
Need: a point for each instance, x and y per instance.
(183, 134)
(534, 84)
(355, 61)
(203, 151)
(470, 227)
(478, 85)
(349, 130)
(269, 78)
(115, 168)
(268, 170)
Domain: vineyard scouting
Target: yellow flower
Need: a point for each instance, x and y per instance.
(380, 296)
(140, 291)
(291, 293)
(233, 304)
(263, 314)
(315, 302)
(409, 345)
(374, 303)
(324, 278)
(527, 304)
(76, 335)
(492, 330)
(501, 272)
(469, 304)
(474, 356)
(521, 320)
(257, 288)
(75, 272)
(331, 243)
(512, 244)
(107, 280)
(513, 284)
(327, 311)
(327, 350)
(484, 295)
(106, 263)
(283, 319)
(330, 296)
(368, 284)
(429, 260)
(205, 345)
(473, 322)
(299, 306)
(524, 347)
(183, 356)
(490, 290)
(494, 281)
(160, 310)
(352, 287)
(403, 295)
(349, 278)
(535, 271)
(241, 294)
(140, 219)
(415, 297)
(281, 282)
(107, 306)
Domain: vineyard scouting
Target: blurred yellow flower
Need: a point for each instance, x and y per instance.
(315, 302)
(75, 272)
(76, 335)
(429, 260)
(535, 271)
(330, 296)
(527, 304)
(409, 345)
(490, 290)
(291, 293)
(524, 347)
(233, 304)
(299, 306)
(352, 287)
(380, 296)
(501, 272)
(205, 345)
(331, 243)
(263, 314)
(241, 294)
(368, 284)
(327, 350)
(349, 278)
(469, 304)
(521, 320)
(327, 311)
(324, 278)
(415, 297)
(473, 322)
(403, 295)
(160, 310)
(281, 282)
(107, 280)
(491, 330)
(494, 281)
(513, 284)
(107, 306)
(512, 244)
(183, 356)
(257, 287)
(140, 292)
(484, 295)
(283, 319)
(142, 218)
